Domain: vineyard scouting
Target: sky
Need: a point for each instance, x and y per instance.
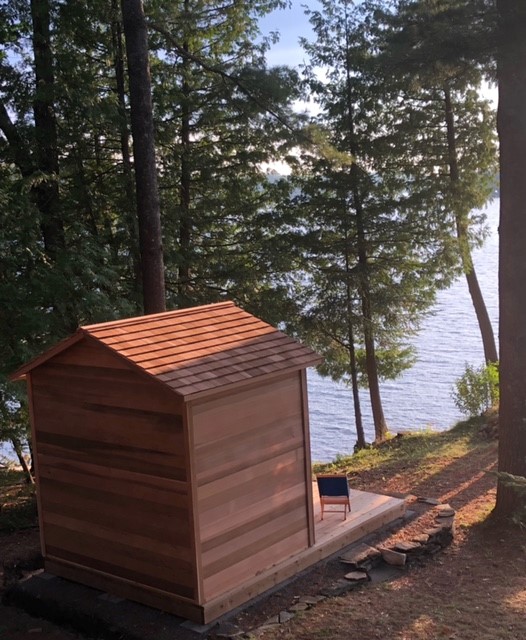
(291, 24)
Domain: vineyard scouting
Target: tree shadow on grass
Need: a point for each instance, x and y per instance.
(448, 466)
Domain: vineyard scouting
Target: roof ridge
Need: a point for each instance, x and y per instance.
(147, 318)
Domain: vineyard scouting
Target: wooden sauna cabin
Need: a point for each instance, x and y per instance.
(172, 456)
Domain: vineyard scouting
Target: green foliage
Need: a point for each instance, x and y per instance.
(18, 509)
(14, 415)
(224, 235)
(449, 35)
(477, 389)
(341, 251)
(376, 238)
(221, 115)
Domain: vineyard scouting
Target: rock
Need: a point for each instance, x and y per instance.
(271, 621)
(432, 501)
(285, 616)
(362, 556)
(442, 534)
(422, 538)
(357, 576)
(407, 546)
(446, 523)
(445, 512)
(300, 606)
(394, 558)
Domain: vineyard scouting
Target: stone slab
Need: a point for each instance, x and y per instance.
(394, 558)
(361, 554)
(357, 576)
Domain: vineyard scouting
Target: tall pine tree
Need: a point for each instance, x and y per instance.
(373, 261)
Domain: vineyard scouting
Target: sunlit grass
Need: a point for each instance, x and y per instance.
(425, 450)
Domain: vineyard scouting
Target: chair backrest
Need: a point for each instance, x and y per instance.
(333, 485)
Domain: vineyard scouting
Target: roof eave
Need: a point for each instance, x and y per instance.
(199, 395)
(21, 373)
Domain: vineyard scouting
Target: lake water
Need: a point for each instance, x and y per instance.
(421, 398)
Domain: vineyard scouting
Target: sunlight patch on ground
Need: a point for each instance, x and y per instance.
(423, 626)
(517, 600)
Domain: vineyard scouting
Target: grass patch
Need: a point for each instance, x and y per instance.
(425, 451)
(18, 508)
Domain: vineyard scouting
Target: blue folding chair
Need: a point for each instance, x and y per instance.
(334, 490)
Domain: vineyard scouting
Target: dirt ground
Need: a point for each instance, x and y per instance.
(474, 590)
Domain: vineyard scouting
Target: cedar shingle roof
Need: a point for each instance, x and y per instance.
(196, 350)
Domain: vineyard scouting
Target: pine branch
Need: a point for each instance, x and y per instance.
(223, 74)
(19, 152)
(310, 136)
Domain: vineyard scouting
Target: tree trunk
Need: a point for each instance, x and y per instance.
(131, 218)
(380, 424)
(46, 147)
(17, 446)
(146, 188)
(185, 221)
(360, 433)
(46, 191)
(511, 119)
(484, 322)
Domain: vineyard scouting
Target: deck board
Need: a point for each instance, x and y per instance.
(364, 505)
(369, 512)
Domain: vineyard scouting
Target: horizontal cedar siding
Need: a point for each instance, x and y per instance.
(112, 470)
(250, 471)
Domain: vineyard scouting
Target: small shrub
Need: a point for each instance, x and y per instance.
(477, 389)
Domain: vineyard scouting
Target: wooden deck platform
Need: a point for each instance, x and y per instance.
(369, 512)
